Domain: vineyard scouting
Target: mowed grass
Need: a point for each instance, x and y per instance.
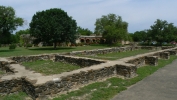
(15, 96)
(21, 51)
(108, 89)
(1, 72)
(118, 55)
(48, 67)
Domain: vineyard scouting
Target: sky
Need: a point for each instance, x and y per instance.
(139, 14)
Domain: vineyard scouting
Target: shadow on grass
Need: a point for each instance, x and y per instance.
(7, 50)
(50, 48)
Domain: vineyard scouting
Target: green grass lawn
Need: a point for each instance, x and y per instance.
(1, 72)
(108, 89)
(19, 51)
(16, 96)
(48, 67)
(118, 55)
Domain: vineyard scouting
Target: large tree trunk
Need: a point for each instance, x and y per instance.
(55, 45)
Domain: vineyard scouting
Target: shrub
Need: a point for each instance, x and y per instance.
(12, 46)
(29, 45)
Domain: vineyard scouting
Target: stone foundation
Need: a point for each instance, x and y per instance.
(165, 55)
(80, 61)
(20, 59)
(10, 86)
(151, 60)
(138, 62)
(68, 82)
(172, 52)
(128, 71)
(110, 50)
(5, 66)
(41, 86)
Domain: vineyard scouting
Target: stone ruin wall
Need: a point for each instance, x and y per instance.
(84, 77)
(103, 51)
(115, 49)
(80, 61)
(5, 67)
(32, 58)
(10, 86)
(67, 82)
(152, 59)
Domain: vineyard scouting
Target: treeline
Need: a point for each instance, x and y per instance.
(55, 25)
(160, 32)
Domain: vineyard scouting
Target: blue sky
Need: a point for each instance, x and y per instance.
(140, 14)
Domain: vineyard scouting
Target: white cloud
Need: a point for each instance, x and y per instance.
(140, 14)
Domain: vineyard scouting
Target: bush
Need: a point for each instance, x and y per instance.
(29, 45)
(12, 46)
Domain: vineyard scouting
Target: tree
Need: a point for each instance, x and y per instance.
(27, 39)
(162, 31)
(82, 31)
(8, 23)
(112, 28)
(52, 26)
(140, 36)
(21, 35)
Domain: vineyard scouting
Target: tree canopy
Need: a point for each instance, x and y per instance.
(52, 26)
(8, 23)
(20, 36)
(140, 36)
(112, 28)
(162, 31)
(82, 31)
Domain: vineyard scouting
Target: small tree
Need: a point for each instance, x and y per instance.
(19, 36)
(140, 36)
(52, 26)
(82, 31)
(27, 39)
(112, 28)
(8, 23)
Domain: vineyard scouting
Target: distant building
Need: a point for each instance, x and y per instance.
(88, 39)
(94, 39)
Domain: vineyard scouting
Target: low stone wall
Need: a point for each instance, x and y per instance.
(10, 86)
(114, 49)
(148, 47)
(104, 51)
(29, 88)
(5, 66)
(83, 77)
(151, 60)
(80, 61)
(145, 60)
(166, 47)
(65, 82)
(138, 62)
(20, 59)
(128, 71)
(172, 52)
(164, 55)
